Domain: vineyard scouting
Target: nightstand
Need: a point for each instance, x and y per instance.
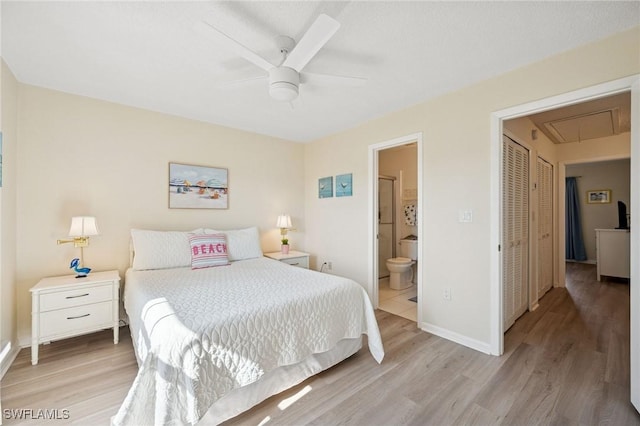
(295, 258)
(67, 306)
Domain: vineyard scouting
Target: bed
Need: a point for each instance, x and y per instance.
(213, 341)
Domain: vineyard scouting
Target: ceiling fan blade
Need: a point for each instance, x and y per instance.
(318, 34)
(332, 80)
(233, 45)
(229, 84)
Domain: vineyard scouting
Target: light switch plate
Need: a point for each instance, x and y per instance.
(465, 216)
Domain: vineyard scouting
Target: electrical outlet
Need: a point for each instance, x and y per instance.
(329, 266)
(446, 294)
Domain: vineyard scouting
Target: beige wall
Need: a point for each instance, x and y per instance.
(456, 168)
(82, 156)
(8, 126)
(609, 147)
(613, 175)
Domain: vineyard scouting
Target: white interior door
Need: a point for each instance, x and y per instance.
(515, 231)
(545, 226)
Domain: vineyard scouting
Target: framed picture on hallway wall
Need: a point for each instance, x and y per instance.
(599, 196)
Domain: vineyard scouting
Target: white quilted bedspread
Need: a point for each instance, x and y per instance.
(200, 333)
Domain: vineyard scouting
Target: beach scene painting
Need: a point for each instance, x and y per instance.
(198, 187)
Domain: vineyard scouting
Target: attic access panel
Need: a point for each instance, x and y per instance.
(583, 127)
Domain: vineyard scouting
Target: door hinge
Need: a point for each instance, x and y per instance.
(499, 248)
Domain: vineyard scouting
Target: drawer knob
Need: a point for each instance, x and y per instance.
(79, 295)
(79, 316)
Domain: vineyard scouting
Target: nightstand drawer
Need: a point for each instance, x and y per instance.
(64, 321)
(302, 262)
(76, 297)
(293, 257)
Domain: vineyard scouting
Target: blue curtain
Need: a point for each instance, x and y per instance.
(573, 226)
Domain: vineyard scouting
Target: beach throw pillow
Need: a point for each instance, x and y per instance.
(208, 250)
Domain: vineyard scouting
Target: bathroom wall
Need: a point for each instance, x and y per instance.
(402, 162)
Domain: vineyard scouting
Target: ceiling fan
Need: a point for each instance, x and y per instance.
(286, 77)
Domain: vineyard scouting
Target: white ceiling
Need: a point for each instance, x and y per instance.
(150, 55)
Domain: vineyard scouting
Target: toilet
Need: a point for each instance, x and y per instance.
(401, 268)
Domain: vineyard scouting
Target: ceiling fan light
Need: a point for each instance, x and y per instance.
(283, 83)
(283, 91)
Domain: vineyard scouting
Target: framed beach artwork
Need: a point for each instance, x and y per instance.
(325, 187)
(344, 185)
(599, 196)
(198, 187)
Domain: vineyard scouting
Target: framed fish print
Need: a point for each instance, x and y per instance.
(325, 187)
(344, 185)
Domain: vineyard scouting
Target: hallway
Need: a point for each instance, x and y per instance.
(578, 340)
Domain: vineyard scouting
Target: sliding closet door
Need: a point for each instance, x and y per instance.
(545, 226)
(386, 224)
(515, 230)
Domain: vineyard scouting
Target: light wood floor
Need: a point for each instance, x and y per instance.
(565, 363)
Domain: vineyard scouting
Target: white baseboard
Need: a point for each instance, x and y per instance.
(588, 261)
(7, 356)
(457, 338)
(25, 342)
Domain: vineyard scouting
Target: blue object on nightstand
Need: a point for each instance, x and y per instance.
(82, 272)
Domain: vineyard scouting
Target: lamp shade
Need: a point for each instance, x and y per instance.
(83, 226)
(284, 221)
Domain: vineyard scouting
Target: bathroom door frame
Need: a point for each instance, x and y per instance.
(372, 246)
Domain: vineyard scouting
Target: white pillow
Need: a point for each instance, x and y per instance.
(161, 249)
(241, 243)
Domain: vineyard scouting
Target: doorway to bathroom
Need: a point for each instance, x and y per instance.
(395, 217)
(402, 298)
